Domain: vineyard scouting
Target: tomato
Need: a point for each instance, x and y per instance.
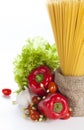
(6, 91)
(35, 115)
(67, 116)
(35, 99)
(30, 110)
(52, 87)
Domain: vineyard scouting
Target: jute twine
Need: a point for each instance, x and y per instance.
(73, 88)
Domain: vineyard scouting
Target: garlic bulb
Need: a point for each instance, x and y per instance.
(23, 98)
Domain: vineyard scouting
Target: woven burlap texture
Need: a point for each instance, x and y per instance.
(73, 88)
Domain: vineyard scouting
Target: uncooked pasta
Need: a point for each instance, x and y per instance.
(67, 21)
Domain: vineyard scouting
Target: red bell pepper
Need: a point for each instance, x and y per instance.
(38, 80)
(67, 116)
(54, 106)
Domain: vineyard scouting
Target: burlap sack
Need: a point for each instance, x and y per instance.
(73, 88)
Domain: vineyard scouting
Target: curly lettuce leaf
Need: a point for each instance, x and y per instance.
(36, 52)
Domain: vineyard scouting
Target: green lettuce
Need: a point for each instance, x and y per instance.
(34, 53)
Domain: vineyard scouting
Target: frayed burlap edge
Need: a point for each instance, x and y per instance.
(73, 88)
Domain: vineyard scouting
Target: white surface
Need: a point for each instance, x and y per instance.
(11, 118)
(20, 19)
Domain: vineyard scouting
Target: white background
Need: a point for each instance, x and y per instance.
(20, 19)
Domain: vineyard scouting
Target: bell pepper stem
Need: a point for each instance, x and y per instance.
(39, 77)
(58, 107)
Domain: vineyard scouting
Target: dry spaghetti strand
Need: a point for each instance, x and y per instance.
(67, 21)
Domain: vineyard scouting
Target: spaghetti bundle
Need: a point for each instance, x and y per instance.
(67, 20)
